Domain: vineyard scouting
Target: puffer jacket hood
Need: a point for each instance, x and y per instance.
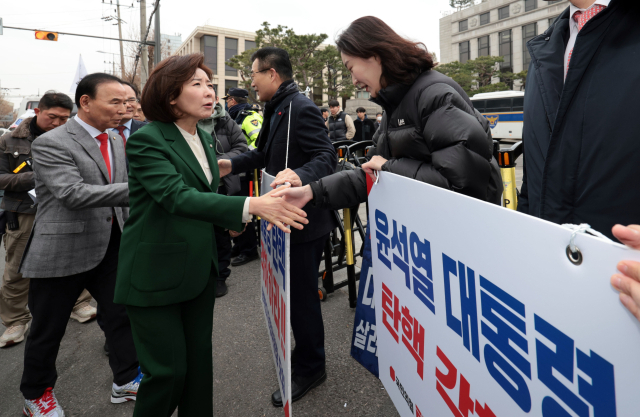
(209, 124)
(429, 132)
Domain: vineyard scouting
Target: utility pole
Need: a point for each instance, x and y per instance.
(157, 49)
(144, 69)
(120, 36)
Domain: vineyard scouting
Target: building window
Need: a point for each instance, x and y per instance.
(463, 25)
(484, 19)
(248, 45)
(505, 50)
(530, 5)
(483, 46)
(503, 12)
(229, 84)
(552, 20)
(363, 94)
(528, 33)
(230, 50)
(464, 52)
(209, 48)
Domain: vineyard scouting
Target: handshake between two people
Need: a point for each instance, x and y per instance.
(284, 204)
(277, 211)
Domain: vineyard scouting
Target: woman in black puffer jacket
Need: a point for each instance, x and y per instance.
(429, 131)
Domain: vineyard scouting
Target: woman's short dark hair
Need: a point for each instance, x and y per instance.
(334, 103)
(53, 99)
(88, 86)
(402, 60)
(276, 58)
(165, 85)
(361, 110)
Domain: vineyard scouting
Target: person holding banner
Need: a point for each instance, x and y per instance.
(442, 140)
(168, 263)
(294, 144)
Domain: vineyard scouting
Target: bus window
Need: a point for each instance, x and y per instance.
(479, 105)
(498, 105)
(518, 104)
(32, 105)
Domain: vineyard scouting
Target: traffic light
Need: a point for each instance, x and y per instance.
(46, 36)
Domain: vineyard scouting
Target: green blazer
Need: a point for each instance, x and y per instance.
(168, 244)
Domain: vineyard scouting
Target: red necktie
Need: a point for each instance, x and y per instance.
(121, 129)
(104, 149)
(581, 18)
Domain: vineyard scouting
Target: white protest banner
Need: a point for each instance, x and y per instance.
(275, 294)
(480, 312)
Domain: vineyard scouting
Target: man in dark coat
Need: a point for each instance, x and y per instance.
(364, 126)
(310, 157)
(581, 122)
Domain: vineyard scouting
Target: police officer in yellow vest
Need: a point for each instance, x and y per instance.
(246, 115)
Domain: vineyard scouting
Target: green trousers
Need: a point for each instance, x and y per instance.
(174, 348)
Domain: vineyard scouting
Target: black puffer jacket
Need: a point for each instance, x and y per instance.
(429, 132)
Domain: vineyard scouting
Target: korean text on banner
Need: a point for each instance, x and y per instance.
(364, 347)
(275, 294)
(480, 312)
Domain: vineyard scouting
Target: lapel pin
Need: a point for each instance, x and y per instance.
(279, 113)
(210, 145)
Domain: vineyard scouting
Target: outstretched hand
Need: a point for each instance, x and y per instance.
(628, 281)
(224, 166)
(288, 175)
(277, 211)
(298, 196)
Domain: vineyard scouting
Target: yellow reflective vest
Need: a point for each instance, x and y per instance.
(251, 128)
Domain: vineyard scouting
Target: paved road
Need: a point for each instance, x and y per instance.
(244, 375)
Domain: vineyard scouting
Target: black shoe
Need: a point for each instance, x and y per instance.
(221, 289)
(299, 388)
(106, 349)
(244, 259)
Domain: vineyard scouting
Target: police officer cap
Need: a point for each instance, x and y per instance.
(255, 107)
(236, 92)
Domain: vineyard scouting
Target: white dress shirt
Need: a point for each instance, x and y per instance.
(127, 130)
(195, 144)
(573, 30)
(94, 133)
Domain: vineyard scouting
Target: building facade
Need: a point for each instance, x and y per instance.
(497, 28)
(218, 45)
(171, 43)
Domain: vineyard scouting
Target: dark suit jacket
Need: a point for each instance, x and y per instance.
(168, 244)
(311, 156)
(580, 135)
(135, 125)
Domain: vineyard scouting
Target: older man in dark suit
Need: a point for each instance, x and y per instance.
(128, 125)
(82, 192)
(298, 153)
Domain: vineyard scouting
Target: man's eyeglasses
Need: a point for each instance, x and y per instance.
(252, 74)
(132, 101)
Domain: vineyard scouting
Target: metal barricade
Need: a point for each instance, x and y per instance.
(507, 162)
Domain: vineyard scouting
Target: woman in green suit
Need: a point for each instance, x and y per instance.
(168, 262)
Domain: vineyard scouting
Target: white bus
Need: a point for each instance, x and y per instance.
(504, 111)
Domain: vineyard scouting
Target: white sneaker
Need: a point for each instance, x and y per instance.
(45, 406)
(127, 392)
(84, 312)
(13, 335)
